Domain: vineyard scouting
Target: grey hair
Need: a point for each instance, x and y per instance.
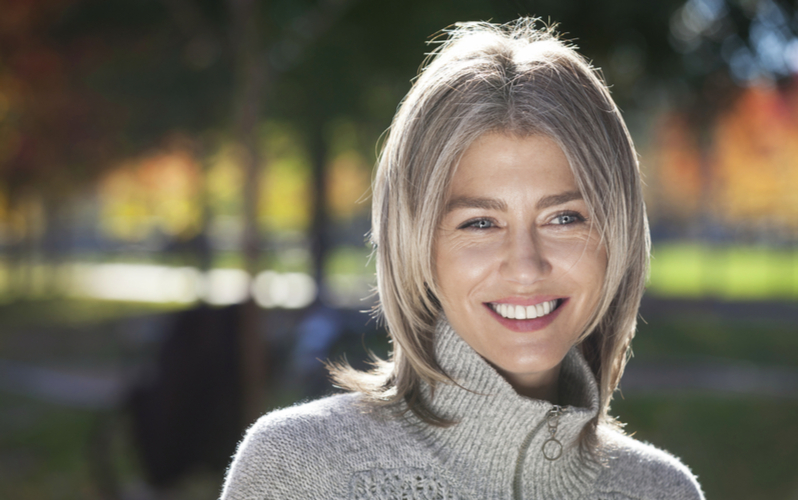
(516, 79)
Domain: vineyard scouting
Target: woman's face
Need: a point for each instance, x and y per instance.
(518, 262)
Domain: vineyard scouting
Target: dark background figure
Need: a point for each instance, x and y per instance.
(187, 410)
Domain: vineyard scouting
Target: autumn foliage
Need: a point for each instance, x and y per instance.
(746, 176)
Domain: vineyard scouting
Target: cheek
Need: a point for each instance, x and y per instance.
(580, 261)
(566, 248)
(461, 267)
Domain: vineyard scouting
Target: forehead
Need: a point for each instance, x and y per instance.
(498, 163)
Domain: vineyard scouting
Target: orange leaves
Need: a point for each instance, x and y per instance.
(678, 175)
(755, 153)
(347, 184)
(748, 172)
(159, 191)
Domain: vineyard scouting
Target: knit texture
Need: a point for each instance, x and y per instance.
(339, 447)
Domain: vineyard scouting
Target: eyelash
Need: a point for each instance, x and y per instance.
(578, 217)
(473, 223)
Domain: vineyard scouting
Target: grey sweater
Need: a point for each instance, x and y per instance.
(501, 447)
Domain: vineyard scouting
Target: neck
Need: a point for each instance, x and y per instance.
(543, 386)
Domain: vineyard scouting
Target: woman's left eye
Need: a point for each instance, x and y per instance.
(567, 218)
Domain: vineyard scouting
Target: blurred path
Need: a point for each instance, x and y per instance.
(760, 310)
(70, 388)
(726, 377)
(80, 389)
(47, 378)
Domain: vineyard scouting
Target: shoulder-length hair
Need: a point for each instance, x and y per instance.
(516, 79)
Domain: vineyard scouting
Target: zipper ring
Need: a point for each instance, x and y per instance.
(555, 450)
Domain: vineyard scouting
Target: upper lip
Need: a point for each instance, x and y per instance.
(526, 301)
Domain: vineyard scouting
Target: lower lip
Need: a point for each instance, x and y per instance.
(528, 325)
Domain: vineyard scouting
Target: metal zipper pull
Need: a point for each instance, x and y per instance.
(552, 448)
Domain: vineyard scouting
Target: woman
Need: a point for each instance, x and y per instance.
(512, 249)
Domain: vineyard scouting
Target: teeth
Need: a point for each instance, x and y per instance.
(522, 312)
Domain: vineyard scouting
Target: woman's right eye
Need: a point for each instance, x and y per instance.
(477, 224)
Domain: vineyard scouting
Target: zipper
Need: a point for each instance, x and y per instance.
(551, 448)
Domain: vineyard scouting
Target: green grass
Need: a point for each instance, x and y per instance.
(43, 450)
(73, 311)
(350, 260)
(769, 342)
(51, 452)
(693, 270)
(740, 448)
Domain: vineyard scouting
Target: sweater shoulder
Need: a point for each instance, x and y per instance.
(309, 422)
(303, 446)
(640, 471)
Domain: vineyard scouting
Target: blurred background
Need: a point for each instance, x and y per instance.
(184, 199)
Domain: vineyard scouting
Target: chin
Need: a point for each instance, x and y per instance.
(529, 366)
(514, 360)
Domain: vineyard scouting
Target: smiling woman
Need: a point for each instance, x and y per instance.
(512, 250)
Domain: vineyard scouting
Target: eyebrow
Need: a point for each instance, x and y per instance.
(558, 199)
(495, 204)
(475, 202)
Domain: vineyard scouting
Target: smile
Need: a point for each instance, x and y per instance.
(511, 311)
(526, 318)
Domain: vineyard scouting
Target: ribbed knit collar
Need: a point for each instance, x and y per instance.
(494, 423)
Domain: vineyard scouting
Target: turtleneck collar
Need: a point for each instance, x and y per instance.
(497, 442)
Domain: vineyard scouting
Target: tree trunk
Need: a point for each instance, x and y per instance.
(252, 86)
(319, 225)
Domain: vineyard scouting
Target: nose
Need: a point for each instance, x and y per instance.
(525, 262)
